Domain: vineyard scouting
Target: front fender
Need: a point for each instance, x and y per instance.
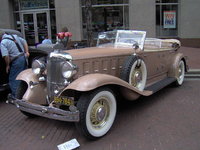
(37, 94)
(92, 81)
(27, 76)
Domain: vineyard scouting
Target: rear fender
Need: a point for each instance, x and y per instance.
(36, 94)
(92, 81)
(175, 62)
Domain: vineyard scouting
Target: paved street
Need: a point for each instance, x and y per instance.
(167, 120)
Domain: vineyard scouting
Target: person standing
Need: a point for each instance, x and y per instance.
(46, 40)
(14, 50)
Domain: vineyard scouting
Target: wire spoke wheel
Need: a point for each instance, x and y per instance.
(97, 112)
(136, 78)
(100, 113)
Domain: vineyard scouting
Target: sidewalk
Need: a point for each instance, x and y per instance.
(193, 55)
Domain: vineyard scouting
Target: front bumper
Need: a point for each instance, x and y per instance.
(47, 111)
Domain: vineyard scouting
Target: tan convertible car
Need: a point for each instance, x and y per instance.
(81, 85)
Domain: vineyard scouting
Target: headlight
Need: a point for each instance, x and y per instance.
(38, 67)
(68, 70)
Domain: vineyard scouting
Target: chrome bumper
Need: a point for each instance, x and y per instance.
(47, 111)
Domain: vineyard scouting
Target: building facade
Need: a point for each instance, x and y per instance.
(160, 18)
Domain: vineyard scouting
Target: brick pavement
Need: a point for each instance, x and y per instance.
(163, 121)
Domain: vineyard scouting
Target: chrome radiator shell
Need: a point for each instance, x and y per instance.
(55, 80)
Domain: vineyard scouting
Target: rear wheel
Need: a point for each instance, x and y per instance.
(97, 112)
(19, 94)
(180, 73)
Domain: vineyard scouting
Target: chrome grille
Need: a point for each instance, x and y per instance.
(55, 80)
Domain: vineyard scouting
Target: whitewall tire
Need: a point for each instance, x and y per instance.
(134, 71)
(97, 112)
(180, 73)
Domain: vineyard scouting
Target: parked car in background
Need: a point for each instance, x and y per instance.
(82, 85)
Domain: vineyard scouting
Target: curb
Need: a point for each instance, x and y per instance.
(193, 73)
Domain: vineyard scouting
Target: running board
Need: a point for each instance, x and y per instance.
(160, 84)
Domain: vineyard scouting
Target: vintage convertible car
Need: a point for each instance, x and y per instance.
(81, 85)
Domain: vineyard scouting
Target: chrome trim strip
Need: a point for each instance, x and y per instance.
(61, 55)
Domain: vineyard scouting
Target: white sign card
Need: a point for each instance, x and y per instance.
(69, 145)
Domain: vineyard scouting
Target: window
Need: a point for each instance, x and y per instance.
(112, 15)
(167, 18)
(100, 2)
(24, 8)
(33, 4)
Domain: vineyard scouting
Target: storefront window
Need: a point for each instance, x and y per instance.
(51, 3)
(167, 18)
(167, 1)
(53, 25)
(99, 2)
(110, 16)
(33, 4)
(16, 5)
(35, 19)
(17, 21)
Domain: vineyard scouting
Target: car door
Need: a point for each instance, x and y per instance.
(156, 65)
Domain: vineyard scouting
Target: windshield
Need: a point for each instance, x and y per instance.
(121, 38)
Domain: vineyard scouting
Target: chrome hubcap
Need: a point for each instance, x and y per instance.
(136, 78)
(99, 113)
(180, 72)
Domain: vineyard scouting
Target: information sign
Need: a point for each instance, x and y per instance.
(169, 19)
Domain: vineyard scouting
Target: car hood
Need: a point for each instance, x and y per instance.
(94, 52)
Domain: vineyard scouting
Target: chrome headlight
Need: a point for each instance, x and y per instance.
(38, 67)
(68, 70)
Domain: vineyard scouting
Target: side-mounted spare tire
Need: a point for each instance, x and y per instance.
(134, 72)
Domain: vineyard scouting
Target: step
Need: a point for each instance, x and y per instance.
(193, 71)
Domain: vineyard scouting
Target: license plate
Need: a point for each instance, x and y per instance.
(64, 101)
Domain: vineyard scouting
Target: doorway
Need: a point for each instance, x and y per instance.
(35, 25)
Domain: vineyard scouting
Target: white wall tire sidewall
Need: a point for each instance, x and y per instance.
(144, 74)
(113, 108)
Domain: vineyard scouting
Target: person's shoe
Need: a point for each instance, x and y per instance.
(10, 99)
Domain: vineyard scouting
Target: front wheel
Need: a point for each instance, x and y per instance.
(97, 112)
(180, 73)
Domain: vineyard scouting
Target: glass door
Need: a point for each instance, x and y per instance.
(42, 26)
(29, 29)
(36, 26)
